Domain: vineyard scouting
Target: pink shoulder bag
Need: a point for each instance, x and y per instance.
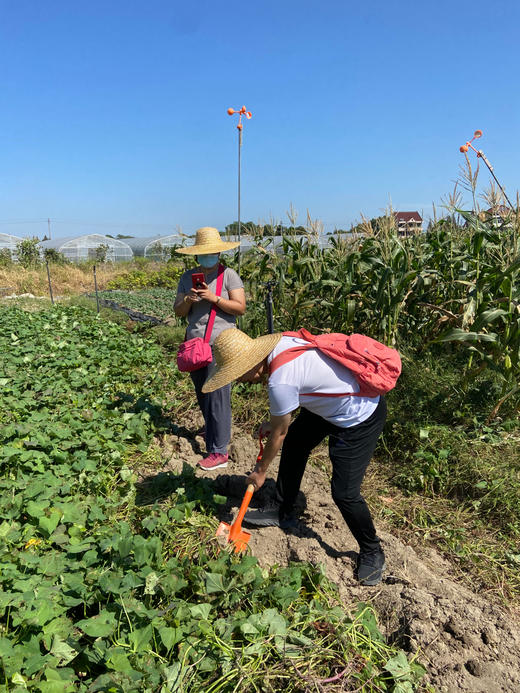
(196, 353)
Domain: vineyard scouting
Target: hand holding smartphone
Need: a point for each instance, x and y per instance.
(197, 280)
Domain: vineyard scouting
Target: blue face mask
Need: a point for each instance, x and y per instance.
(208, 260)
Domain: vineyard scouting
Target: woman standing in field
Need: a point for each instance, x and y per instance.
(196, 305)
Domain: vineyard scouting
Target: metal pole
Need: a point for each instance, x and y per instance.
(248, 115)
(239, 227)
(480, 154)
(95, 287)
(49, 228)
(269, 307)
(483, 157)
(49, 280)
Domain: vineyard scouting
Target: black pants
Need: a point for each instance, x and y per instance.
(350, 451)
(216, 410)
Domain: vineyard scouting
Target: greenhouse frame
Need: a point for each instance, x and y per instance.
(274, 243)
(156, 247)
(92, 246)
(9, 242)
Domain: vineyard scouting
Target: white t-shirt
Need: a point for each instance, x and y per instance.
(312, 371)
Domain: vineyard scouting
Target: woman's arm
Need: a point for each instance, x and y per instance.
(184, 302)
(234, 305)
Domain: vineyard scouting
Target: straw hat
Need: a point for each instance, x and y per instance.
(207, 241)
(235, 354)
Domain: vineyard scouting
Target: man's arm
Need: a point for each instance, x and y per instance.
(278, 425)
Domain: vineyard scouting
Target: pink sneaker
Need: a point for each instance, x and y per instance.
(214, 460)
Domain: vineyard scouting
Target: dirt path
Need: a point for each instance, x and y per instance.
(467, 643)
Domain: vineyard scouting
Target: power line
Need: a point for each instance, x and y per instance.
(122, 224)
(29, 221)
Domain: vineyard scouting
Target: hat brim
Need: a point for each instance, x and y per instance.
(260, 348)
(208, 248)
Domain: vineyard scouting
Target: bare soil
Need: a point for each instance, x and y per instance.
(466, 642)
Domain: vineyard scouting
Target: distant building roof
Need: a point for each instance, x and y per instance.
(500, 210)
(407, 216)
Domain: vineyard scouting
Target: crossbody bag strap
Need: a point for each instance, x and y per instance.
(213, 311)
(287, 355)
(292, 352)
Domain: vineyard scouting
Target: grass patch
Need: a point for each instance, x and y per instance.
(76, 278)
(26, 303)
(438, 444)
(480, 556)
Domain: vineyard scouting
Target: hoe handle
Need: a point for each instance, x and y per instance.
(236, 527)
(260, 454)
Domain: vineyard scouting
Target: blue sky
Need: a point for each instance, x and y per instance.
(113, 114)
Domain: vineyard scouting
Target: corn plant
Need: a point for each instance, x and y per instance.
(456, 283)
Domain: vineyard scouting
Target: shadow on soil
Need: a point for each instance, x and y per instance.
(158, 487)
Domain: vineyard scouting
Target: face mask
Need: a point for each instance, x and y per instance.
(208, 260)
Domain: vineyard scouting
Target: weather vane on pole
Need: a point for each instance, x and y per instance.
(241, 112)
(480, 154)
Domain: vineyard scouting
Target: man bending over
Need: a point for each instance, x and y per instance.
(321, 387)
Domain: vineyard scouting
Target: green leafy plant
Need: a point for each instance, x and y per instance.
(6, 259)
(27, 253)
(111, 584)
(101, 252)
(149, 276)
(53, 256)
(157, 302)
(456, 284)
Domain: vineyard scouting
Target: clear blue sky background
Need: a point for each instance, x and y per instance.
(113, 113)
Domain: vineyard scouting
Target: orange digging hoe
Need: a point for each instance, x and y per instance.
(234, 532)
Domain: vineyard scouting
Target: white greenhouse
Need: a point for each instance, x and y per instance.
(93, 246)
(274, 243)
(9, 242)
(155, 247)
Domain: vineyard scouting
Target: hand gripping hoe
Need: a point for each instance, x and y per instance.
(234, 532)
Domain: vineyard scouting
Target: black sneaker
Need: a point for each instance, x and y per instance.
(370, 567)
(270, 517)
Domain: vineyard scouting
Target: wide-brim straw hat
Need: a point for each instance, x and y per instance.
(235, 353)
(207, 241)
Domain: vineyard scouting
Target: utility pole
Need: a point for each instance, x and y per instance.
(49, 228)
(242, 111)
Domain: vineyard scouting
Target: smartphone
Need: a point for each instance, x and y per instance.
(197, 280)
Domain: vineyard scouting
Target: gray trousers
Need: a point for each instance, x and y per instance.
(216, 410)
